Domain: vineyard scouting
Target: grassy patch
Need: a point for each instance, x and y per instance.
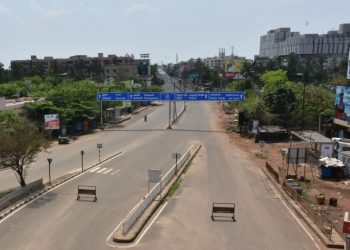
(174, 187)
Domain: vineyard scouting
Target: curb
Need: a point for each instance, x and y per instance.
(301, 214)
(133, 233)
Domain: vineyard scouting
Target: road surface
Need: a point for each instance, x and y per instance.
(58, 221)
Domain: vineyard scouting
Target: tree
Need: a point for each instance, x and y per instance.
(20, 143)
(274, 78)
(281, 102)
(247, 69)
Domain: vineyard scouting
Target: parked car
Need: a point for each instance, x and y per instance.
(63, 139)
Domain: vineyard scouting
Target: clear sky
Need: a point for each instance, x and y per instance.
(163, 28)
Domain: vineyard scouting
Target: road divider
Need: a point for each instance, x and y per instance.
(133, 223)
(177, 117)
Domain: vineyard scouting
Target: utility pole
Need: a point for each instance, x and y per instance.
(174, 110)
(101, 115)
(169, 113)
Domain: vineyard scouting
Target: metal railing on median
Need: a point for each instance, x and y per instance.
(155, 191)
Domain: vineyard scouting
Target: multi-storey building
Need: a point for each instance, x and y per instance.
(333, 46)
(215, 62)
(99, 67)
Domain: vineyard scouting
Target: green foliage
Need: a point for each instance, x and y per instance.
(281, 103)
(339, 80)
(19, 146)
(318, 99)
(74, 101)
(174, 188)
(241, 85)
(9, 90)
(152, 88)
(8, 118)
(327, 117)
(274, 78)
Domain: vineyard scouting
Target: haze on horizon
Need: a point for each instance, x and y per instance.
(163, 29)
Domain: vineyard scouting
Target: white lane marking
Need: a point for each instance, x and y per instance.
(296, 218)
(115, 172)
(101, 170)
(94, 169)
(19, 209)
(142, 234)
(109, 170)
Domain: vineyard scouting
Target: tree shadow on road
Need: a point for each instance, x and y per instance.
(43, 200)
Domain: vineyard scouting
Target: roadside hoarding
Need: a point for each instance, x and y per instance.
(342, 106)
(233, 67)
(52, 121)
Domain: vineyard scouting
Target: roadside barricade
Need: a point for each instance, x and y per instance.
(87, 191)
(222, 209)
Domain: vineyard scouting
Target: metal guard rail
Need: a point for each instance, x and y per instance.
(144, 203)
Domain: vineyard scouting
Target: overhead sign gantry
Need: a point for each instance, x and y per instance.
(170, 96)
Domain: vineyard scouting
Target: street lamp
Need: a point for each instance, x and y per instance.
(82, 160)
(301, 75)
(49, 160)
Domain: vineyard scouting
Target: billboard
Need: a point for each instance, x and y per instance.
(52, 121)
(233, 67)
(348, 72)
(342, 106)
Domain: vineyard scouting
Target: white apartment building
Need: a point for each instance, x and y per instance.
(334, 45)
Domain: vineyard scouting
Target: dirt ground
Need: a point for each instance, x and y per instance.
(272, 154)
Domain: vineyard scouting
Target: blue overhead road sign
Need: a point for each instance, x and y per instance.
(164, 96)
(144, 96)
(171, 96)
(113, 96)
(226, 96)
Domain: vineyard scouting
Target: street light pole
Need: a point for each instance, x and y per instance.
(301, 75)
(82, 160)
(303, 116)
(49, 160)
(101, 121)
(174, 109)
(319, 123)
